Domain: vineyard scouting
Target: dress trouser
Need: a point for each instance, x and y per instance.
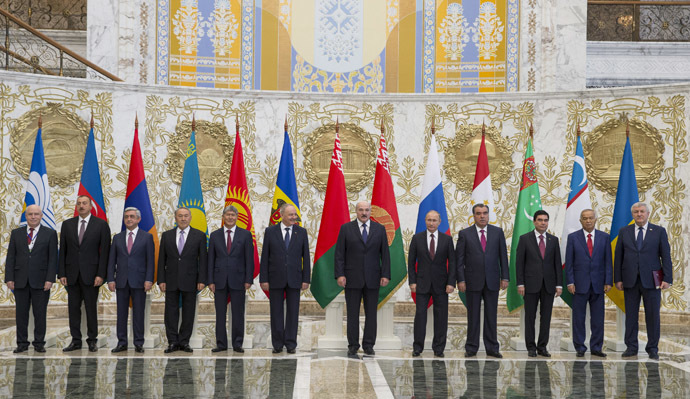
(76, 293)
(237, 298)
(440, 309)
(37, 300)
(545, 302)
(652, 307)
(138, 297)
(284, 328)
(474, 301)
(353, 297)
(596, 310)
(179, 334)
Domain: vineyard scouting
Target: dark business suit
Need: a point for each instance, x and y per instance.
(81, 264)
(129, 271)
(285, 269)
(230, 272)
(540, 277)
(431, 277)
(363, 265)
(633, 266)
(30, 269)
(482, 271)
(589, 274)
(181, 272)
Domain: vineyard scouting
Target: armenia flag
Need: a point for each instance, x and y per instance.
(286, 184)
(37, 188)
(190, 188)
(90, 184)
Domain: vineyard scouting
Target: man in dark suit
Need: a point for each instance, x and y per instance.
(642, 249)
(588, 275)
(285, 269)
(130, 271)
(539, 275)
(84, 251)
(482, 260)
(30, 269)
(362, 265)
(230, 272)
(182, 269)
(431, 274)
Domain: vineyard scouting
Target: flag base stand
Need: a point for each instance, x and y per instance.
(334, 338)
(518, 343)
(617, 344)
(567, 342)
(51, 338)
(150, 341)
(248, 340)
(102, 338)
(385, 337)
(196, 341)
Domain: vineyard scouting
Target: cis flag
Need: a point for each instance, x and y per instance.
(626, 196)
(286, 184)
(482, 192)
(190, 189)
(90, 184)
(37, 188)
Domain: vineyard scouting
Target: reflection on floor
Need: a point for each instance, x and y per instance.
(258, 373)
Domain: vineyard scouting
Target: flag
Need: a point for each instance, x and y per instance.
(384, 210)
(286, 184)
(37, 188)
(626, 196)
(190, 188)
(237, 195)
(528, 203)
(578, 201)
(138, 194)
(335, 213)
(90, 184)
(482, 192)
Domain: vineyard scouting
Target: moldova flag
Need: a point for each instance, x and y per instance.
(286, 184)
(90, 184)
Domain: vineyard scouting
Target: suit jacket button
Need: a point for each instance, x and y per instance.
(179, 258)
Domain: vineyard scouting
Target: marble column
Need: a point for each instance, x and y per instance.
(334, 338)
(385, 334)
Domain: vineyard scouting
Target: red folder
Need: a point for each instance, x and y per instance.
(658, 277)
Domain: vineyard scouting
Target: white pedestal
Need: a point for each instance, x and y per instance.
(429, 337)
(50, 337)
(617, 344)
(150, 341)
(102, 339)
(334, 338)
(196, 341)
(567, 342)
(248, 341)
(518, 343)
(385, 337)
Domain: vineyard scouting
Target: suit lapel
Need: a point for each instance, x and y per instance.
(580, 237)
(474, 233)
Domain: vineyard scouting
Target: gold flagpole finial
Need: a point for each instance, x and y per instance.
(286, 122)
(483, 128)
(193, 122)
(531, 130)
(237, 123)
(383, 129)
(627, 129)
(40, 121)
(433, 125)
(92, 120)
(136, 120)
(337, 125)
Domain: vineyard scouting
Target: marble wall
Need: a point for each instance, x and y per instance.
(407, 119)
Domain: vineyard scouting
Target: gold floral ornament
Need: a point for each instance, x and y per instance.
(358, 151)
(214, 151)
(64, 137)
(462, 151)
(604, 147)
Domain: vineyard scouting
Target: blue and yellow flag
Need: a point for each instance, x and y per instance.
(626, 196)
(190, 189)
(37, 188)
(286, 184)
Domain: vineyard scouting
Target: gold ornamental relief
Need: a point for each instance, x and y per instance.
(462, 151)
(64, 136)
(359, 156)
(214, 152)
(604, 151)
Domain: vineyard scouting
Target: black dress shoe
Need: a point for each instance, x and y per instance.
(439, 354)
(629, 353)
(93, 347)
(543, 352)
(369, 351)
(73, 346)
(532, 353)
(186, 348)
(138, 349)
(216, 350)
(42, 349)
(119, 348)
(238, 349)
(470, 354)
(497, 355)
(599, 353)
(581, 353)
(291, 351)
(654, 356)
(415, 354)
(277, 350)
(20, 349)
(170, 349)
(352, 352)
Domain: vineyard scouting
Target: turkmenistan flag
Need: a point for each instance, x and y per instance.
(384, 210)
(286, 184)
(335, 213)
(529, 202)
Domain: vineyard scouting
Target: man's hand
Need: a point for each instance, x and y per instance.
(148, 285)
(462, 286)
(10, 285)
(97, 282)
(413, 288)
(305, 286)
(607, 288)
(246, 286)
(162, 287)
(63, 281)
(200, 286)
(47, 285)
(571, 289)
(521, 290)
(665, 285)
(504, 284)
(264, 286)
(449, 289)
(559, 291)
(341, 281)
(212, 287)
(384, 281)
(619, 286)
(111, 286)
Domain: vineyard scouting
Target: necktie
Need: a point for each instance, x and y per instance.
(432, 247)
(364, 233)
(229, 242)
(542, 246)
(81, 231)
(130, 242)
(483, 240)
(180, 242)
(640, 238)
(287, 237)
(589, 243)
(30, 237)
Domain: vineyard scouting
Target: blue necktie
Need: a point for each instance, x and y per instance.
(639, 238)
(364, 233)
(287, 237)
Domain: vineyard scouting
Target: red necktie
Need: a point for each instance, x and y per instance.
(30, 237)
(590, 246)
(483, 240)
(542, 246)
(432, 247)
(229, 242)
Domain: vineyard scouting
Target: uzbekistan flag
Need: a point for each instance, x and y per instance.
(190, 188)
(335, 213)
(626, 196)
(578, 201)
(37, 188)
(90, 184)
(286, 184)
(482, 192)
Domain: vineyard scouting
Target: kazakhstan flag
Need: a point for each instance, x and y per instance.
(190, 191)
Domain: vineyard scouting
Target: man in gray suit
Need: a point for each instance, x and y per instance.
(482, 260)
(30, 269)
(130, 271)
